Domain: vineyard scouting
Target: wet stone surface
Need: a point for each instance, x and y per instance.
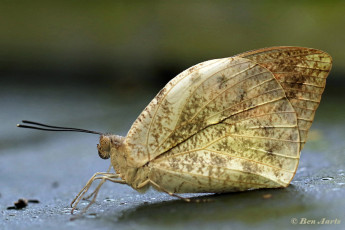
(53, 167)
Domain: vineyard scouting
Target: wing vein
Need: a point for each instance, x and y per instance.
(303, 99)
(302, 83)
(303, 75)
(277, 99)
(261, 115)
(304, 91)
(267, 138)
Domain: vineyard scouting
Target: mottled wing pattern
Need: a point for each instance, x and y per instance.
(222, 125)
(158, 119)
(302, 73)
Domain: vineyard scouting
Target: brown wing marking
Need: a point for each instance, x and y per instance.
(302, 72)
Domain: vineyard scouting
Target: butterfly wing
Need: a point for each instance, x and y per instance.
(302, 73)
(229, 115)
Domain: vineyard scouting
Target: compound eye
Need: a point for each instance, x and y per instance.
(104, 147)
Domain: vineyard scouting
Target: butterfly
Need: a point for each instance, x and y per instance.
(223, 125)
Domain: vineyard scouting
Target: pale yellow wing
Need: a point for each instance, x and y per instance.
(228, 114)
(159, 119)
(237, 131)
(254, 148)
(302, 73)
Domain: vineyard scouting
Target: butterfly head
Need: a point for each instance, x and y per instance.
(106, 143)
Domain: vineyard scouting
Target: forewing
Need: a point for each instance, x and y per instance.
(230, 109)
(159, 118)
(302, 73)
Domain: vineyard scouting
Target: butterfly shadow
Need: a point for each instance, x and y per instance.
(249, 207)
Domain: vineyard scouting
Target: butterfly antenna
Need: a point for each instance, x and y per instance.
(40, 126)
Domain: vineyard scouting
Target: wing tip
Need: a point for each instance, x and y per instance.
(256, 51)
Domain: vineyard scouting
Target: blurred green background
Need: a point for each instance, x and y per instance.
(136, 44)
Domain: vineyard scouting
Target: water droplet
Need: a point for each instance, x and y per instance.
(91, 215)
(327, 178)
(66, 211)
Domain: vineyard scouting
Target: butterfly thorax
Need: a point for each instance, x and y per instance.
(134, 176)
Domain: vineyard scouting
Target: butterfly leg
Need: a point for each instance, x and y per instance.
(143, 184)
(103, 176)
(102, 181)
(203, 200)
(170, 193)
